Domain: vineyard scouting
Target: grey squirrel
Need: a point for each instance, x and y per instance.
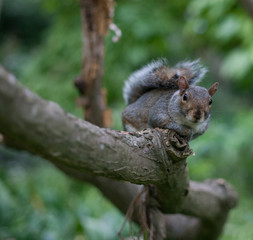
(160, 96)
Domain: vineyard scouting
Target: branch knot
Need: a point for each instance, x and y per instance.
(175, 145)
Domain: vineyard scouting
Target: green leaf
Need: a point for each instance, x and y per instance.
(237, 64)
(228, 28)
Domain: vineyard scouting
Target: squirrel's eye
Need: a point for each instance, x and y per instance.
(185, 97)
(210, 102)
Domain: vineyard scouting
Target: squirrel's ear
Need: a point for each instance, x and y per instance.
(182, 84)
(212, 90)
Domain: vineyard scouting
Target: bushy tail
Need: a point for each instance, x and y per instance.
(194, 69)
(158, 75)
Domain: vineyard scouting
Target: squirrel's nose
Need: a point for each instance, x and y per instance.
(197, 114)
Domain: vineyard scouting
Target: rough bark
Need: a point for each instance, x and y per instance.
(152, 156)
(43, 127)
(96, 17)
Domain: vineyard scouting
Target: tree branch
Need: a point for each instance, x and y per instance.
(44, 128)
(149, 157)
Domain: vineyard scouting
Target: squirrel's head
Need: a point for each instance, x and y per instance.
(195, 102)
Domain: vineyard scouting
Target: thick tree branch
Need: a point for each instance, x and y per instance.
(44, 128)
(148, 157)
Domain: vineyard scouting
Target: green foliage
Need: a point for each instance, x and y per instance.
(228, 153)
(16, 21)
(39, 202)
(51, 72)
(227, 28)
(240, 223)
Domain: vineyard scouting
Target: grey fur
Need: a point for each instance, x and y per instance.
(144, 79)
(197, 69)
(140, 80)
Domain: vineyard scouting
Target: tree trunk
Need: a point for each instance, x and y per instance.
(96, 17)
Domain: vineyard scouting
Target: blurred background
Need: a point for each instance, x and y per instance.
(40, 42)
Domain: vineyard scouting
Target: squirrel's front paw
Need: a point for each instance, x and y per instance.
(186, 133)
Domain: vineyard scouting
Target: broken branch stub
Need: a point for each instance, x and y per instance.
(96, 18)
